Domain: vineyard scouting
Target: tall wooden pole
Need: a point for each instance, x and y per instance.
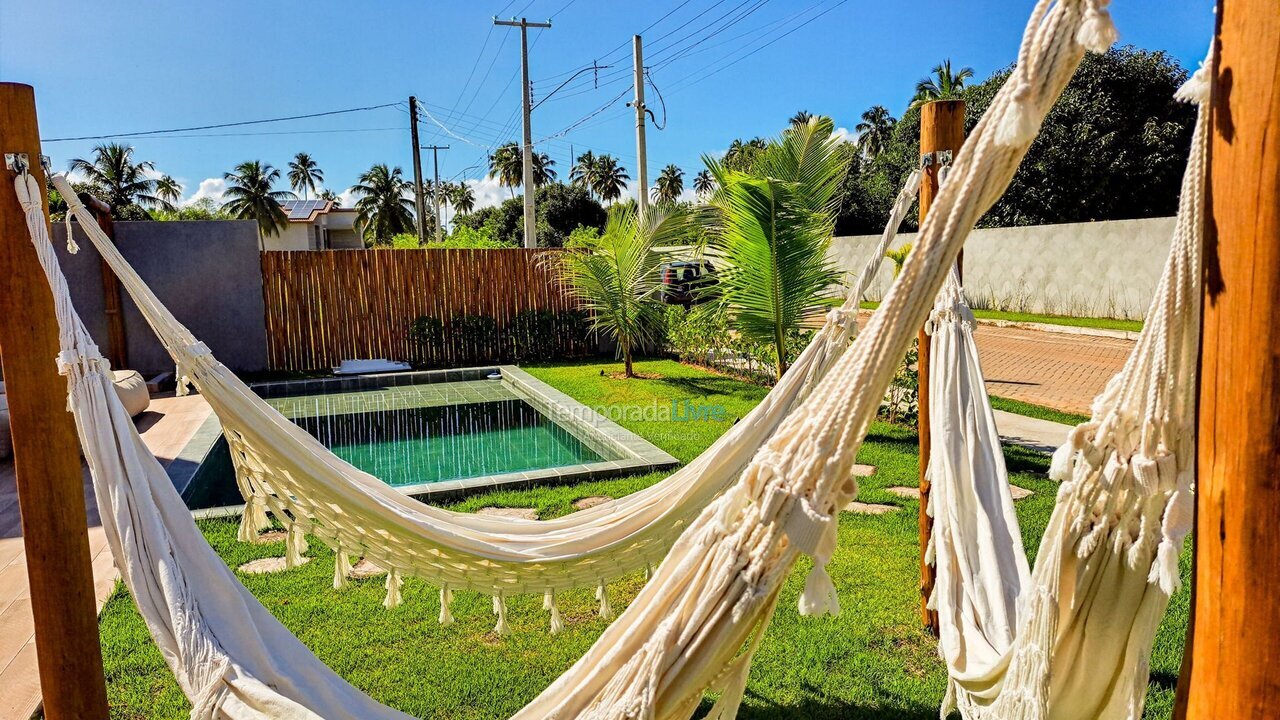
(1233, 668)
(46, 454)
(419, 205)
(117, 341)
(941, 131)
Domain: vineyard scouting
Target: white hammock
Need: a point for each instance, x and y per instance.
(716, 589)
(281, 468)
(1081, 627)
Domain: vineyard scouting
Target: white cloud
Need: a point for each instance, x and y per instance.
(347, 198)
(845, 135)
(211, 188)
(488, 192)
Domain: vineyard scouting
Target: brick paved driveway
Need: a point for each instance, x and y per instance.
(1058, 370)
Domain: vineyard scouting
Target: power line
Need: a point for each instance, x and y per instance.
(338, 131)
(143, 133)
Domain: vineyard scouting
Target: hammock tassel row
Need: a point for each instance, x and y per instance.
(602, 594)
(295, 543)
(500, 609)
(341, 568)
(393, 599)
(446, 599)
(254, 519)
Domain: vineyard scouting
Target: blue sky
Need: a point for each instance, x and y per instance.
(725, 68)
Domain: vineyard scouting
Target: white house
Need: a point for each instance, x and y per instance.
(316, 225)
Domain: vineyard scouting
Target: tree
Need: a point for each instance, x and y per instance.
(611, 178)
(584, 171)
(252, 198)
(741, 156)
(506, 165)
(875, 131)
(304, 174)
(560, 209)
(383, 208)
(801, 118)
(703, 184)
(463, 198)
(943, 84)
(771, 229)
(542, 172)
(117, 180)
(168, 192)
(331, 196)
(618, 281)
(669, 185)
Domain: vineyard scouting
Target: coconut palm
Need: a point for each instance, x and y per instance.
(252, 198)
(304, 174)
(542, 172)
(669, 185)
(703, 183)
(506, 164)
(383, 205)
(583, 173)
(618, 280)
(463, 198)
(942, 85)
(801, 118)
(329, 195)
(611, 178)
(116, 178)
(771, 229)
(875, 131)
(741, 156)
(168, 192)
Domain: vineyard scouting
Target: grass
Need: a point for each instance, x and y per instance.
(1099, 323)
(874, 661)
(1036, 411)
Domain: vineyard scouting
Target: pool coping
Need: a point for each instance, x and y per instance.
(636, 455)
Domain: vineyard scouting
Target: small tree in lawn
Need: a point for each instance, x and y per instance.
(617, 277)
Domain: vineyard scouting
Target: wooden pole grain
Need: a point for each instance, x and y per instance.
(1232, 666)
(941, 130)
(46, 453)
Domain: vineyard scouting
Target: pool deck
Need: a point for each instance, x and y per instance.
(166, 428)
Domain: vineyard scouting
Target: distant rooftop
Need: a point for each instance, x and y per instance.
(306, 210)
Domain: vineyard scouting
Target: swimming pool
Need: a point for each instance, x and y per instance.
(435, 433)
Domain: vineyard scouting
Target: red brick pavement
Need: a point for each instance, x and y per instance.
(1058, 370)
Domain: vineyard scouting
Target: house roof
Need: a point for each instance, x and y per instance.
(308, 210)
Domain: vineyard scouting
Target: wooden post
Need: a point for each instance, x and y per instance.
(46, 454)
(941, 130)
(1232, 654)
(117, 342)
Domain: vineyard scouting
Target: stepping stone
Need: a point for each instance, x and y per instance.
(267, 565)
(272, 536)
(864, 470)
(364, 570)
(522, 513)
(862, 508)
(1019, 492)
(590, 502)
(904, 492)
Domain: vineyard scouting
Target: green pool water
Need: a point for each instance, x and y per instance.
(450, 442)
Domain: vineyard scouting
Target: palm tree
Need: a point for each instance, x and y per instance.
(116, 178)
(304, 174)
(249, 187)
(611, 178)
(875, 131)
(168, 192)
(618, 279)
(584, 171)
(703, 184)
(669, 185)
(741, 156)
(463, 198)
(943, 85)
(542, 172)
(507, 165)
(330, 195)
(771, 229)
(384, 208)
(801, 118)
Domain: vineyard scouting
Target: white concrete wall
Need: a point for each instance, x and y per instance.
(294, 236)
(1103, 269)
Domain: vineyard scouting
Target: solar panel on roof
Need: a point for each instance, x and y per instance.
(301, 209)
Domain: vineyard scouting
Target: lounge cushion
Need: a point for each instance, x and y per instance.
(131, 388)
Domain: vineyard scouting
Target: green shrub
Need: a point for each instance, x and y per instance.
(465, 237)
(404, 241)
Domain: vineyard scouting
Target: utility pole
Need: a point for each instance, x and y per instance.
(941, 135)
(530, 227)
(1229, 667)
(642, 175)
(435, 187)
(419, 205)
(46, 453)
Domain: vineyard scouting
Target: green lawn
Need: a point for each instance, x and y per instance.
(1101, 323)
(874, 661)
(1036, 411)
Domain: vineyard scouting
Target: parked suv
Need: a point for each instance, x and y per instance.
(684, 282)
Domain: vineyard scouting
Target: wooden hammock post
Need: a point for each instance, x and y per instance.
(1230, 672)
(46, 454)
(941, 131)
(117, 344)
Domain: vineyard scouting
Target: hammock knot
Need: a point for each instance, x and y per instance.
(1019, 124)
(82, 361)
(1097, 32)
(842, 318)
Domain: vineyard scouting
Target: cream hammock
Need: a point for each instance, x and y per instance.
(714, 593)
(283, 469)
